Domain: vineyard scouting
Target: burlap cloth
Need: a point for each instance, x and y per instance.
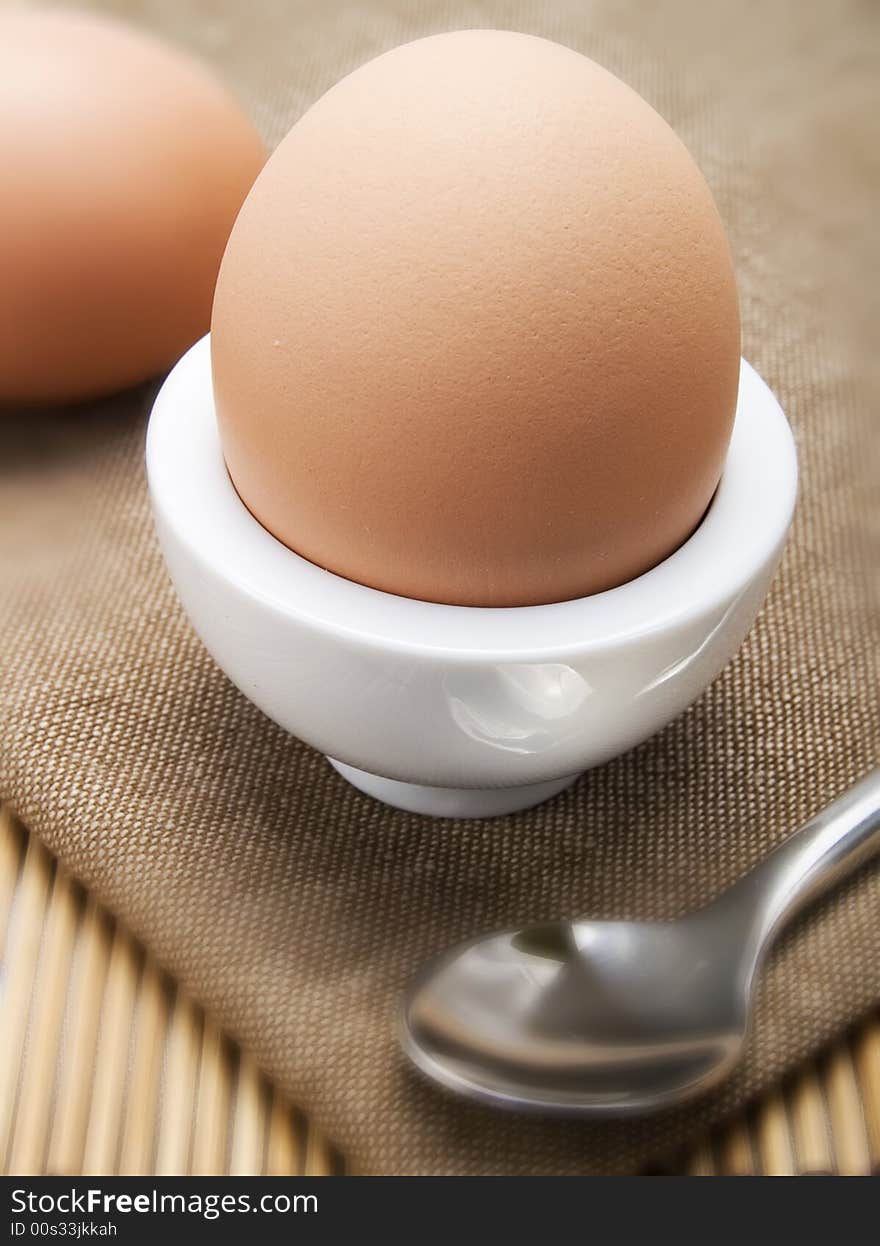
(294, 908)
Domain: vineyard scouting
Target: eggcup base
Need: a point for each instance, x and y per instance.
(452, 802)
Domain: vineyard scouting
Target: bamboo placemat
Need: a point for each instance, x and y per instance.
(107, 1068)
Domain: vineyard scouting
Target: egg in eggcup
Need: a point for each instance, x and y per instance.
(470, 489)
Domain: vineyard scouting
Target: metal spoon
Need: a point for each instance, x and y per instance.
(618, 1018)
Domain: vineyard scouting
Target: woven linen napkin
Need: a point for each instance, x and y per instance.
(293, 907)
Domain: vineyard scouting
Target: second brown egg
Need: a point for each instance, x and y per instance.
(124, 162)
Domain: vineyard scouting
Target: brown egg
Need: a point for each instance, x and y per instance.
(124, 163)
(475, 335)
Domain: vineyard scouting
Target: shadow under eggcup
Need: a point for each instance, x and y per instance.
(461, 711)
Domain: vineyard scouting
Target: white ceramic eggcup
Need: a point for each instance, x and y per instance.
(459, 711)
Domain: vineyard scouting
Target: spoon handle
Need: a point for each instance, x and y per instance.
(811, 861)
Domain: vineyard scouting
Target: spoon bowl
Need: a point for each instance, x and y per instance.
(620, 1018)
(586, 1017)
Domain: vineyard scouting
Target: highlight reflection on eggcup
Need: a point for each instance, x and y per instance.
(475, 372)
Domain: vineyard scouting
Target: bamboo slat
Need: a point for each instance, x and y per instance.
(249, 1128)
(213, 1105)
(845, 1115)
(867, 1049)
(142, 1104)
(108, 1067)
(28, 1144)
(773, 1136)
(26, 923)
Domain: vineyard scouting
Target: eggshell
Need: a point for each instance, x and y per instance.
(124, 163)
(475, 335)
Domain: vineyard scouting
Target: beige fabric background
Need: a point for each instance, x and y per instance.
(294, 908)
